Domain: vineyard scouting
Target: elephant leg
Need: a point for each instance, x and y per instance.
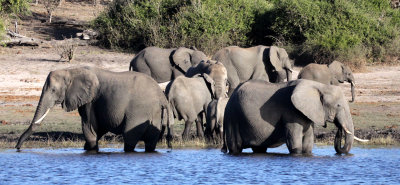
(294, 138)
(186, 131)
(199, 125)
(90, 130)
(133, 132)
(308, 140)
(151, 137)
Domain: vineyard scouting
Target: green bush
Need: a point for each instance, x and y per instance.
(313, 30)
(206, 24)
(341, 29)
(11, 9)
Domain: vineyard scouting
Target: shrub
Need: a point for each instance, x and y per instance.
(341, 29)
(311, 30)
(207, 24)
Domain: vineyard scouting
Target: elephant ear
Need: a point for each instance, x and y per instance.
(337, 69)
(182, 58)
(82, 87)
(210, 82)
(307, 99)
(274, 58)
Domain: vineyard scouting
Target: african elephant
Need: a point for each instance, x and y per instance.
(261, 115)
(333, 74)
(189, 97)
(127, 103)
(259, 62)
(215, 118)
(166, 64)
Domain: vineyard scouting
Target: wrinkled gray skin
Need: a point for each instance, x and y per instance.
(333, 74)
(215, 118)
(259, 62)
(261, 115)
(189, 97)
(166, 64)
(127, 103)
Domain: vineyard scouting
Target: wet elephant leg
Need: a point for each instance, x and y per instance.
(134, 130)
(294, 138)
(199, 126)
(151, 138)
(89, 128)
(308, 140)
(186, 131)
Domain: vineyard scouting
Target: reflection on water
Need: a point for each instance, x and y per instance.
(74, 166)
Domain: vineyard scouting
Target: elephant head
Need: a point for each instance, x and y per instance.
(320, 103)
(185, 58)
(343, 73)
(214, 73)
(281, 64)
(71, 88)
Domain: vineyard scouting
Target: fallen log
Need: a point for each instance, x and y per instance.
(15, 39)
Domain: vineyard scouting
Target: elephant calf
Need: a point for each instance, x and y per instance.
(332, 74)
(127, 103)
(189, 97)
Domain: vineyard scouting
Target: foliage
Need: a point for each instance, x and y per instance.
(346, 30)
(313, 30)
(206, 24)
(11, 8)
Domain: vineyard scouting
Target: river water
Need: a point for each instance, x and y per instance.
(194, 166)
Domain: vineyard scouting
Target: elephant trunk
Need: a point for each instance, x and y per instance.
(352, 91)
(288, 74)
(345, 125)
(219, 89)
(41, 111)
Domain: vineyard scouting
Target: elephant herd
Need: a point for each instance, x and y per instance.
(232, 90)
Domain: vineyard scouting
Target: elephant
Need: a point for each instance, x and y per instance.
(334, 73)
(261, 115)
(258, 62)
(166, 64)
(215, 118)
(189, 97)
(127, 103)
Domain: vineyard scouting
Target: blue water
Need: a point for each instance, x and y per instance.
(194, 166)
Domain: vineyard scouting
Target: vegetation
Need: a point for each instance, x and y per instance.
(206, 24)
(10, 9)
(312, 30)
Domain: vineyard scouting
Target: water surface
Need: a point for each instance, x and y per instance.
(193, 166)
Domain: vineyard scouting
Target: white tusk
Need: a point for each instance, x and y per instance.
(361, 140)
(44, 115)
(347, 131)
(356, 138)
(353, 84)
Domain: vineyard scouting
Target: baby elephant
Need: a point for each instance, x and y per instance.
(215, 118)
(127, 103)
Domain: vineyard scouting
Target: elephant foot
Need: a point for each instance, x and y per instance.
(89, 146)
(129, 148)
(224, 150)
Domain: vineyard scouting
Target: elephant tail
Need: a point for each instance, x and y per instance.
(168, 120)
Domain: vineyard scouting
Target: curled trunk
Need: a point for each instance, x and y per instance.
(348, 141)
